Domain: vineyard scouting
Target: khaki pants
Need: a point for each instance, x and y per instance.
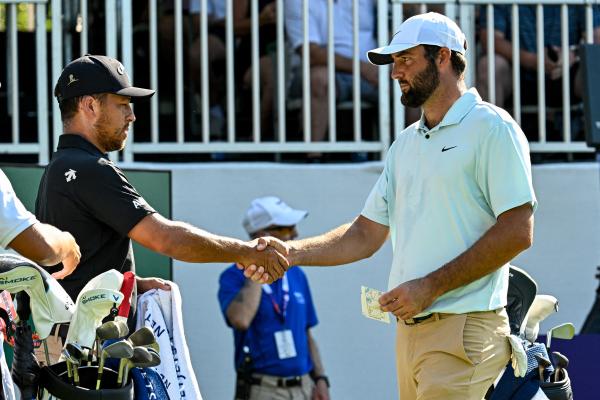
(451, 356)
(268, 390)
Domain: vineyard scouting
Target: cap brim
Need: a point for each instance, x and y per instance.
(383, 55)
(290, 218)
(136, 93)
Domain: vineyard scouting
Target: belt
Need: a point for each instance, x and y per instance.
(437, 316)
(418, 320)
(267, 380)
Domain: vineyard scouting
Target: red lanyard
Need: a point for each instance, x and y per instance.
(285, 287)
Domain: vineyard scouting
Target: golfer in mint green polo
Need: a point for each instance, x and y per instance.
(456, 200)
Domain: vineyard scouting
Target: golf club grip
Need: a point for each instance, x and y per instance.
(126, 289)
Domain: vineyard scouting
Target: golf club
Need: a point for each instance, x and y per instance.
(122, 350)
(562, 331)
(67, 357)
(152, 363)
(543, 363)
(77, 355)
(142, 337)
(561, 362)
(141, 355)
(110, 330)
(74, 360)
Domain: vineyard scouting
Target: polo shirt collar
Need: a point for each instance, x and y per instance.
(455, 114)
(73, 140)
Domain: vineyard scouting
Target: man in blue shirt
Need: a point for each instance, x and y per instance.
(275, 354)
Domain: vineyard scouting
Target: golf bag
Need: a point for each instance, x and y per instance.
(41, 297)
(540, 381)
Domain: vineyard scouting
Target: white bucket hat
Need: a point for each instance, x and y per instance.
(430, 28)
(268, 211)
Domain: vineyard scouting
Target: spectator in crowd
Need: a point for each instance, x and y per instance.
(216, 61)
(275, 353)
(553, 64)
(191, 10)
(83, 192)
(267, 47)
(343, 48)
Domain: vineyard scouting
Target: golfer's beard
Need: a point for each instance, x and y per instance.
(109, 140)
(422, 87)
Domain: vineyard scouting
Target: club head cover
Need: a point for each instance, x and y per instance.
(50, 302)
(91, 308)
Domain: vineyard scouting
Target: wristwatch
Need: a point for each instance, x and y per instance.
(318, 378)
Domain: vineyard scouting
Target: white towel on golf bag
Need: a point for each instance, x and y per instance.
(7, 382)
(160, 310)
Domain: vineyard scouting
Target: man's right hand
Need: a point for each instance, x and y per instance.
(72, 258)
(266, 260)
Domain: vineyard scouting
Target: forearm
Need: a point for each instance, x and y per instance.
(242, 309)
(345, 244)
(500, 244)
(318, 56)
(43, 244)
(185, 242)
(315, 356)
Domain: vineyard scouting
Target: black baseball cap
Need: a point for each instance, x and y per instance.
(94, 75)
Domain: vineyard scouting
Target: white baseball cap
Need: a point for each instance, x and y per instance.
(268, 211)
(430, 28)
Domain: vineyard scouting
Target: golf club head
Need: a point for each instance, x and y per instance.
(112, 330)
(562, 331)
(153, 362)
(91, 308)
(120, 349)
(543, 305)
(50, 303)
(75, 352)
(142, 337)
(141, 355)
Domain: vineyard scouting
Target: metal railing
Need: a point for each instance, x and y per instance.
(119, 31)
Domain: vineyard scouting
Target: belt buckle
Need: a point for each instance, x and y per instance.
(289, 382)
(417, 320)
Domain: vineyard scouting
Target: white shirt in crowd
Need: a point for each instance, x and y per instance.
(342, 25)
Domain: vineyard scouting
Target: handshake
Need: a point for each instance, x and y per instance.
(266, 259)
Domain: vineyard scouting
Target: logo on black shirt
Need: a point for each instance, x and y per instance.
(70, 175)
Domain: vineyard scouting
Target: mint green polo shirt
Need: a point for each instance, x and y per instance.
(442, 189)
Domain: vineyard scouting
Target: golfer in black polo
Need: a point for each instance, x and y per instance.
(84, 193)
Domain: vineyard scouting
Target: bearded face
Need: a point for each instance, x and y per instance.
(422, 86)
(112, 125)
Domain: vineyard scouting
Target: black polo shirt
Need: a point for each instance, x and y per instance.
(84, 193)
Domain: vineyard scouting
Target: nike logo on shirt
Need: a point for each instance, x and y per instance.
(447, 148)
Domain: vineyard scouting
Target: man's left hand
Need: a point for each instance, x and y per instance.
(408, 299)
(145, 284)
(320, 391)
